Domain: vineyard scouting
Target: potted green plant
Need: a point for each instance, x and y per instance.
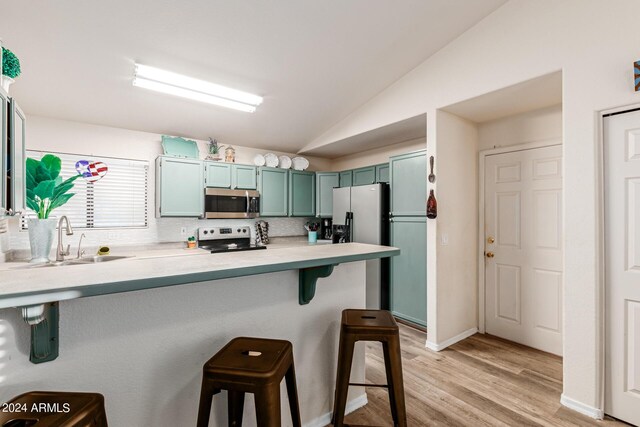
(10, 68)
(46, 191)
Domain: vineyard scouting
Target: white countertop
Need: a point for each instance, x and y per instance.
(168, 267)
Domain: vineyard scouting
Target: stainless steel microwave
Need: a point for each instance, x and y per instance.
(224, 203)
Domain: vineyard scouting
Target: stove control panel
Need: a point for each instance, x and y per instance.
(220, 233)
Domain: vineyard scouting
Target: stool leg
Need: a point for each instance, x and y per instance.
(393, 367)
(345, 359)
(268, 406)
(206, 394)
(235, 408)
(292, 393)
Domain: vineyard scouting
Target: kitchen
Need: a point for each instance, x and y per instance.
(129, 307)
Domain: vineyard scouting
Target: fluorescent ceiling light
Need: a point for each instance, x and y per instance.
(198, 90)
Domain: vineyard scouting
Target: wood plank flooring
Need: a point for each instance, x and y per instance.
(481, 381)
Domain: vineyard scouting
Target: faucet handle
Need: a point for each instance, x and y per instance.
(68, 251)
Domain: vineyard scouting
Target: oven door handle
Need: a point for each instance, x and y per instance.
(248, 202)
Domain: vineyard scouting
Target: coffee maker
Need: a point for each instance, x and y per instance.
(326, 230)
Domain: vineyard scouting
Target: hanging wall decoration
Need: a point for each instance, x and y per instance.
(636, 74)
(91, 171)
(432, 206)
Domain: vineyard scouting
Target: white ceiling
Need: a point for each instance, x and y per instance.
(313, 61)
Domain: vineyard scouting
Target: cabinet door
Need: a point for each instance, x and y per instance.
(325, 183)
(382, 173)
(218, 174)
(302, 193)
(243, 177)
(273, 187)
(408, 290)
(346, 178)
(364, 176)
(4, 135)
(408, 179)
(181, 187)
(17, 157)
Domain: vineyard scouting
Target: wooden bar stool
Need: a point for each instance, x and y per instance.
(370, 325)
(251, 365)
(55, 409)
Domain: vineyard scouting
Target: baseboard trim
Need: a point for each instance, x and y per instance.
(580, 407)
(451, 341)
(352, 405)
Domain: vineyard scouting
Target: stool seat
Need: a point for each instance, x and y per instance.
(254, 359)
(370, 325)
(55, 409)
(250, 365)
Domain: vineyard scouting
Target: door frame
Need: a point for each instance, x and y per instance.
(482, 155)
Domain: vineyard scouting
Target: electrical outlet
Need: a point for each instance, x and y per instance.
(183, 231)
(444, 239)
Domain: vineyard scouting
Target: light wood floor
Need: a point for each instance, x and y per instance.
(481, 381)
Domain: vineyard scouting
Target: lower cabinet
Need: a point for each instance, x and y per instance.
(273, 187)
(302, 193)
(179, 187)
(408, 287)
(325, 183)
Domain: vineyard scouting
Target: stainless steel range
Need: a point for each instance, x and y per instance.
(226, 239)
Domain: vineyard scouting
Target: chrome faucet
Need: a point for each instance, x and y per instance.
(60, 252)
(80, 250)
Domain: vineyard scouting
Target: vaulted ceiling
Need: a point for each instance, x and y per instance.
(313, 61)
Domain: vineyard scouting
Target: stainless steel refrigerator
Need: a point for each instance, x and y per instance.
(369, 208)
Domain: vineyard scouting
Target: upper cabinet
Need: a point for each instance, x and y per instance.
(230, 175)
(325, 183)
(408, 178)
(16, 156)
(382, 173)
(4, 146)
(346, 178)
(302, 193)
(273, 187)
(179, 187)
(244, 177)
(364, 176)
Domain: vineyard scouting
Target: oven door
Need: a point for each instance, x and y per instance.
(224, 203)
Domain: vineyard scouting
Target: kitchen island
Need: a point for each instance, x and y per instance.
(141, 339)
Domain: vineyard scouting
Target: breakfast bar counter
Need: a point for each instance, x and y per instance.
(141, 340)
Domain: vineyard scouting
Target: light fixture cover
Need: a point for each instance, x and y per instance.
(198, 90)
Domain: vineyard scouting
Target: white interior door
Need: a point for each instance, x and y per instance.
(622, 265)
(523, 247)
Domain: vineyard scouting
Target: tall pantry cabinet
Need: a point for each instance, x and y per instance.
(408, 284)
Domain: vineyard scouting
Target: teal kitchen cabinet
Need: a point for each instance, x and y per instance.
(408, 180)
(179, 187)
(364, 176)
(408, 284)
(325, 183)
(302, 193)
(217, 174)
(4, 146)
(273, 184)
(243, 177)
(382, 173)
(346, 178)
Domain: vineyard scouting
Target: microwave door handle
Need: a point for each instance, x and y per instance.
(246, 193)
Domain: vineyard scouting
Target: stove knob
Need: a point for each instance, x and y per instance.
(212, 231)
(244, 230)
(205, 232)
(238, 230)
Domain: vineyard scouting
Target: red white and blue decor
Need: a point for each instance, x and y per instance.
(91, 171)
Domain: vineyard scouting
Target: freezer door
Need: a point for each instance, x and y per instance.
(341, 204)
(366, 206)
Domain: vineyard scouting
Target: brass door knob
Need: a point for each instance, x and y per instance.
(490, 255)
(490, 240)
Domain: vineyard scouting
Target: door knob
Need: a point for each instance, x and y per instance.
(490, 255)
(490, 240)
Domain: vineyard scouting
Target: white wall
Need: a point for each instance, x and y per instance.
(594, 43)
(145, 350)
(455, 262)
(54, 135)
(377, 155)
(538, 125)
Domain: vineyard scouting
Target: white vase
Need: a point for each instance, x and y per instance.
(6, 82)
(41, 233)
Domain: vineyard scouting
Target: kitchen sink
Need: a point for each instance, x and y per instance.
(82, 261)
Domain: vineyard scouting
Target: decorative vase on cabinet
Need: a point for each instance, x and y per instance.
(41, 233)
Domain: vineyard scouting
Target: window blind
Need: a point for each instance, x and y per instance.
(118, 199)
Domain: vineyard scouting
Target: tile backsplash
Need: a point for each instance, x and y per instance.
(160, 230)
